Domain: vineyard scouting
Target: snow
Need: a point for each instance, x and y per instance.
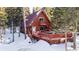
(19, 42)
(77, 42)
(22, 44)
(40, 45)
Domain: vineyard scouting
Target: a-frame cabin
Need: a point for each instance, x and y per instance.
(38, 26)
(37, 21)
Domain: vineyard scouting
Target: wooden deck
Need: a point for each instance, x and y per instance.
(51, 38)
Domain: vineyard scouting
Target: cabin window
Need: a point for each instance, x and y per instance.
(43, 28)
(42, 19)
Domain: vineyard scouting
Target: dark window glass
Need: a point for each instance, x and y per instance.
(41, 19)
(43, 28)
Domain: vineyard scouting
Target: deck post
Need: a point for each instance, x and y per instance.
(65, 41)
(75, 33)
(74, 41)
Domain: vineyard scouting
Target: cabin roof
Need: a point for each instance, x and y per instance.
(32, 17)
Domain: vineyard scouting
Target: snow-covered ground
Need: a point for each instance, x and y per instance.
(22, 44)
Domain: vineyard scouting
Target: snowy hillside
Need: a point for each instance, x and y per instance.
(22, 44)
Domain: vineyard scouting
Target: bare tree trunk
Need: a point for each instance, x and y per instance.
(12, 31)
(4, 30)
(19, 27)
(19, 31)
(1, 30)
(25, 28)
(0, 34)
(24, 22)
(10, 25)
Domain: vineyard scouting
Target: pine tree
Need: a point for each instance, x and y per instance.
(14, 18)
(3, 20)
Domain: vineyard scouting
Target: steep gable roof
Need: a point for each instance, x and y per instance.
(32, 16)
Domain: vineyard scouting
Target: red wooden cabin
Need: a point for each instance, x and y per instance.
(38, 26)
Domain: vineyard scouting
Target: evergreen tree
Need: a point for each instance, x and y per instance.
(3, 20)
(14, 18)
